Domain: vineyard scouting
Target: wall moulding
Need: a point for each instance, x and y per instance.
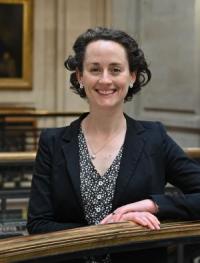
(184, 111)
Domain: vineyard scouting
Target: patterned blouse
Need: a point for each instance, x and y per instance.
(96, 191)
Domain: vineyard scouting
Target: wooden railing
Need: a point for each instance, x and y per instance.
(20, 127)
(4, 113)
(193, 152)
(17, 157)
(95, 239)
(7, 157)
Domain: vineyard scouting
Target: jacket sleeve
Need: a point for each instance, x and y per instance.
(184, 173)
(41, 217)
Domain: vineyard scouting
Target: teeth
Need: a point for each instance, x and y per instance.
(106, 92)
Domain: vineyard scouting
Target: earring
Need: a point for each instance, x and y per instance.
(81, 86)
(131, 85)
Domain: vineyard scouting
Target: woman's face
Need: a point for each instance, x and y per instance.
(106, 76)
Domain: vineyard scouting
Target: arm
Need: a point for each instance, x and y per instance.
(41, 217)
(180, 171)
(184, 173)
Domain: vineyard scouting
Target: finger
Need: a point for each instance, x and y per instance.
(151, 221)
(136, 219)
(151, 224)
(145, 219)
(116, 217)
(154, 220)
(107, 219)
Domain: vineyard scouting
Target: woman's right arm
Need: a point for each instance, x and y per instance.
(41, 217)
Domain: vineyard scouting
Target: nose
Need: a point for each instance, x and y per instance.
(105, 78)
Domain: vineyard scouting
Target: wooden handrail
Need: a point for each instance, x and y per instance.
(92, 237)
(7, 157)
(10, 157)
(193, 152)
(37, 113)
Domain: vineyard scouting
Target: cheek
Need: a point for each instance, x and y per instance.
(88, 81)
(123, 85)
(124, 81)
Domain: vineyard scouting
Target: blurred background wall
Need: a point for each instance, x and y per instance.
(168, 32)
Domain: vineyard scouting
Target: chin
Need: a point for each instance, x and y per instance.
(110, 105)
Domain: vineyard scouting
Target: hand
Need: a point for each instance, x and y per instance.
(145, 219)
(146, 205)
(140, 212)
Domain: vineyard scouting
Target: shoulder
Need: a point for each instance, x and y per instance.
(146, 126)
(154, 132)
(65, 132)
(156, 138)
(49, 133)
(154, 126)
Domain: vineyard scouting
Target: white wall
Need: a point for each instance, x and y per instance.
(168, 32)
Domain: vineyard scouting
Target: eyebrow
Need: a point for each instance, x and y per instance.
(97, 64)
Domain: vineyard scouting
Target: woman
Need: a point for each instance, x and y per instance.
(106, 167)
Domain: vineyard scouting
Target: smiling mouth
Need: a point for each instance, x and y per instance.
(106, 92)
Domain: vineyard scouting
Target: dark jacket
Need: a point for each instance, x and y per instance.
(150, 159)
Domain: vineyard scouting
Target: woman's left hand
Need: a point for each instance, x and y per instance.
(141, 212)
(146, 205)
(144, 219)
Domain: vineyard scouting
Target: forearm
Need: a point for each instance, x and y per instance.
(147, 205)
(178, 206)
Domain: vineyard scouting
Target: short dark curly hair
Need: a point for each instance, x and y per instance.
(136, 59)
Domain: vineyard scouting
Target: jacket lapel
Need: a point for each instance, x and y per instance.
(71, 153)
(133, 147)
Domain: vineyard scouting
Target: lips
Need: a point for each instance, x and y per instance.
(106, 92)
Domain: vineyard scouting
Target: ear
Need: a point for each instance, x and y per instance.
(133, 76)
(79, 75)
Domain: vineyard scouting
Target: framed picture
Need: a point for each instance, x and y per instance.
(16, 44)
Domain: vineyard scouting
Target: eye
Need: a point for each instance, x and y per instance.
(95, 70)
(115, 70)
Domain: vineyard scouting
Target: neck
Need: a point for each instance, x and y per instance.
(104, 122)
(104, 132)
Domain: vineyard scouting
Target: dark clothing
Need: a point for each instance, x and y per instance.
(150, 159)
